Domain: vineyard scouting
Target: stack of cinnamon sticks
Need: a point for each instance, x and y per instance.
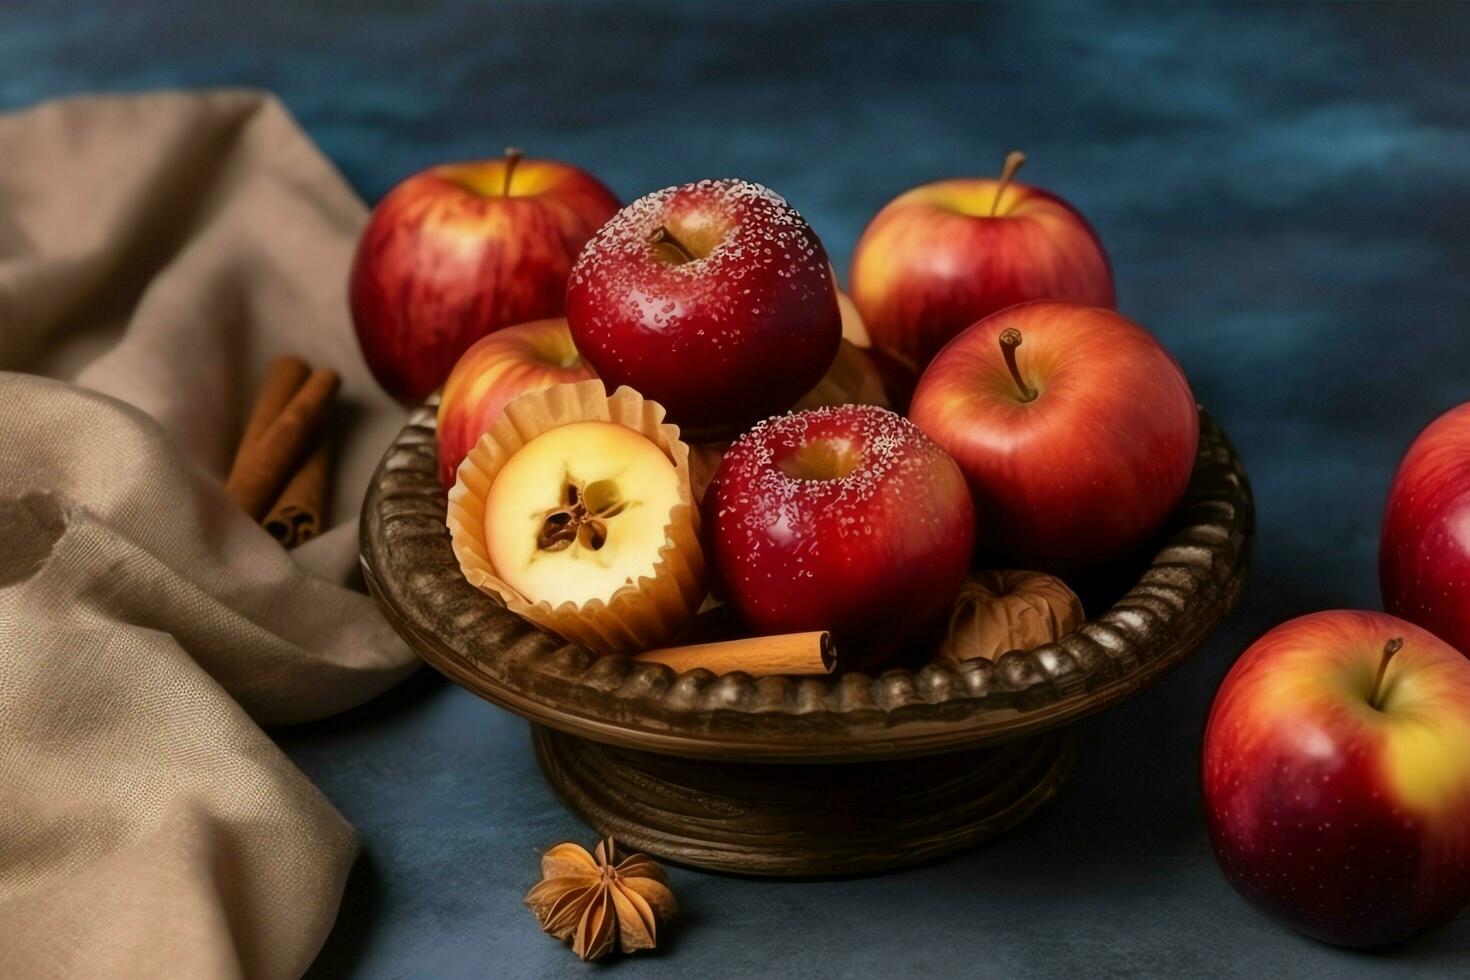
(280, 473)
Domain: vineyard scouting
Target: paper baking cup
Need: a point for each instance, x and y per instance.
(639, 615)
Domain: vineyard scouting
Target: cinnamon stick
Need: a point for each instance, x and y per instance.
(284, 376)
(300, 513)
(266, 463)
(759, 656)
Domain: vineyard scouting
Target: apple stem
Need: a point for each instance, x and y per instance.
(1014, 160)
(662, 236)
(1390, 648)
(1010, 339)
(513, 156)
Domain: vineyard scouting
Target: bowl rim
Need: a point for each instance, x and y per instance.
(1190, 586)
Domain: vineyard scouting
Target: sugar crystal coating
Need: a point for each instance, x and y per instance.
(846, 518)
(742, 326)
(895, 457)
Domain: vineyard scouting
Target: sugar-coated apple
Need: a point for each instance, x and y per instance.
(714, 299)
(844, 518)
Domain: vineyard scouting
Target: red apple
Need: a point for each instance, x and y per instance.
(461, 250)
(497, 368)
(1076, 430)
(1424, 552)
(1337, 777)
(713, 299)
(845, 518)
(944, 255)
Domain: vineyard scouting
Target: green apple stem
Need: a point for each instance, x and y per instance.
(1010, 339)
(662, 236)
(513, 157)
(1014, 160)
(1390, 648)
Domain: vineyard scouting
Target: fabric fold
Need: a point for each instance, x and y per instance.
(155, 252)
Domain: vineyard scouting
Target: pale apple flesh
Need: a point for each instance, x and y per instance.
(1345, 812)
(946, 254)
(492, 373)
(579, 512)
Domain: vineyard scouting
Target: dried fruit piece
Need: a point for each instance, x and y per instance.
(1000, 611)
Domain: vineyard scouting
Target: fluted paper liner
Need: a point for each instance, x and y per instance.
(639, 615)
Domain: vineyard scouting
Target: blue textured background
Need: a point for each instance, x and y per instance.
(1285, 193)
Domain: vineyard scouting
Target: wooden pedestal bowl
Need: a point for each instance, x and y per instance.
(781, 776)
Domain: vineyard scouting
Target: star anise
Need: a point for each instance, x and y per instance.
(594, 900)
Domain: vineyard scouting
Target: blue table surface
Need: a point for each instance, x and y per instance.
(1285, 194)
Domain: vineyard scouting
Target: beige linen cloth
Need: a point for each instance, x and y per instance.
(155, 252)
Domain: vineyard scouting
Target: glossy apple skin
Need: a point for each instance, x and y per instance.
(446, 259)
(876, 557)
(494, 371)
(737, 334)
(1089, 470)
(1351, 823)
(934, 261)
(1424, 550)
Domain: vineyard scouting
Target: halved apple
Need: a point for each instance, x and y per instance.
(580, 511)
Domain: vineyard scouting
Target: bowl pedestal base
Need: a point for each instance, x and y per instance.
(804, 820)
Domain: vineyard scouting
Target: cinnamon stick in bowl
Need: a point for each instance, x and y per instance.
(810, 653)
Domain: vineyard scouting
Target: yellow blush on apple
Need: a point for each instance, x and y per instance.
(944, 255)
(1337, 776)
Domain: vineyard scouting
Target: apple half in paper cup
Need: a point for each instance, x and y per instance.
(609, 557)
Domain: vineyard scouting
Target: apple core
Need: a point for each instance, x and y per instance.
(579, 512)
(582, 518)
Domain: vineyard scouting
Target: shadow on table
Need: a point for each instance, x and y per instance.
(364, 898)
(361, 905)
